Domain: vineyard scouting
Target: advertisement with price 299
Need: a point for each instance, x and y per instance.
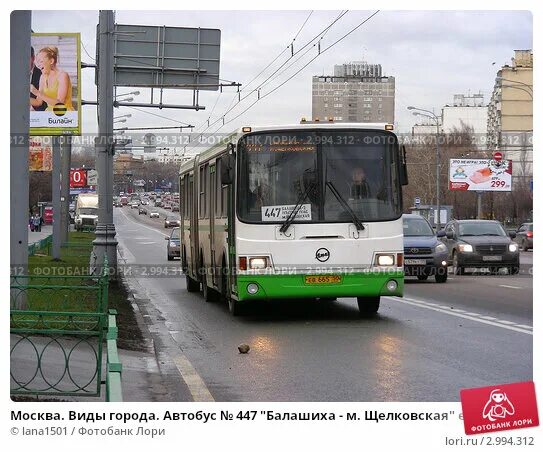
(480, 174)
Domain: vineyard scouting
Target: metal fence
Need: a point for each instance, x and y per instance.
(43, 246)
(58, 326)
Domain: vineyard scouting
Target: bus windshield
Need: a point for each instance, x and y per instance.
(328, 175)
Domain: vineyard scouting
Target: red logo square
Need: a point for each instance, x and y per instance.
(502, 407)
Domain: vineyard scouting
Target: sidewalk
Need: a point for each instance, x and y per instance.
(34, 237)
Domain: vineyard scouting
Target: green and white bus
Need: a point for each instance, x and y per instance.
(296, 211)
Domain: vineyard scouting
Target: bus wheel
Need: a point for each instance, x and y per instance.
(192, 285)
(235, 307)
(209, 293)
(368, 306)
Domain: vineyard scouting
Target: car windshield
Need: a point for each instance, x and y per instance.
(329, 175)
(172, 218)
(175, 234)
(477, 228)
(88, 211)
(417, 227)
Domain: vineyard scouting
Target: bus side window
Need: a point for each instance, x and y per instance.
(202, 182)
(218, 185)
(182, 197)
(207, 190)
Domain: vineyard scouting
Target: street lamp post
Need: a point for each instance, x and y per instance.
(433, 116)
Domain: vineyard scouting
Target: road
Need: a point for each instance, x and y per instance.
(472, 331)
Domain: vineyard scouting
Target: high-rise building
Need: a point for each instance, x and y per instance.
(510, 115)
(357, 92)
(466, 111)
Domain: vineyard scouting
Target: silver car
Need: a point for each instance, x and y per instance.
(174, 244)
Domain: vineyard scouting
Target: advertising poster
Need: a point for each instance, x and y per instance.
(480, 175)
(41, 154)
(54, 82)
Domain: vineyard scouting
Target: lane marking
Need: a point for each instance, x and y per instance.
(509, 287)
(146, 243)
(526, 326)
(194, 382)
(414, 302)
(487, 317)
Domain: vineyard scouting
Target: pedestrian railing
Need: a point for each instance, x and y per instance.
(58, 327)
(42, 246)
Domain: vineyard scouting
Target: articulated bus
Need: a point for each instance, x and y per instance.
(298, 211)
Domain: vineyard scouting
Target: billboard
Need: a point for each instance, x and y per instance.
(480, 175)
(40, 154)
(55, 84)
(167, 57)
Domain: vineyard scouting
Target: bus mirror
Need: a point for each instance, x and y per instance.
(404, 180)
(227, 169)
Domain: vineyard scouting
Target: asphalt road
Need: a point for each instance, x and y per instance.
(475, 330)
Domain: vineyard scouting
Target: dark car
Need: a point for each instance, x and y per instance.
(480, 244)
(174, 244)
(424, 254)
(525, 236)
(171, 222)
(142, 210)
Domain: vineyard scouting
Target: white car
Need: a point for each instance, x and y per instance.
(154, 214)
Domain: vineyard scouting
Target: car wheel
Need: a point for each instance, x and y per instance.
(422, 277)
(170, 257)
(514, 270)
(458, 269)
(441, 277)
(368, 306)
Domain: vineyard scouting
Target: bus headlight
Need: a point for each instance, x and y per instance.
(384, 260)
(465, 248)
(258, 263)
(392, 285)
(252, 288)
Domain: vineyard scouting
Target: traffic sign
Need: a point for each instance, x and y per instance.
(498, 156)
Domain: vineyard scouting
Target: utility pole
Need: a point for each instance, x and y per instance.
(19, 67)
(438, 184)
(105, 243)
(56, 197)
(66, 157)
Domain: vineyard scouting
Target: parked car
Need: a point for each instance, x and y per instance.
(482, 244)
(142, 210)
(154, 214)
(171, 221)
(424, 254)
(174, 245)
(525, 236)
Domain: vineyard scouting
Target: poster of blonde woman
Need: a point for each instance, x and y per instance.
(54, 84)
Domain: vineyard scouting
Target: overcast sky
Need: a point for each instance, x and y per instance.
(433, 56)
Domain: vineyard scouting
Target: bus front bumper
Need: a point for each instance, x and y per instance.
(364, 284)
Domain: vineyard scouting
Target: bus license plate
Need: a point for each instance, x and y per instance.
(332, 279)
(414, 261)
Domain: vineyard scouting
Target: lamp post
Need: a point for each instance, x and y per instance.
(433, 116)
